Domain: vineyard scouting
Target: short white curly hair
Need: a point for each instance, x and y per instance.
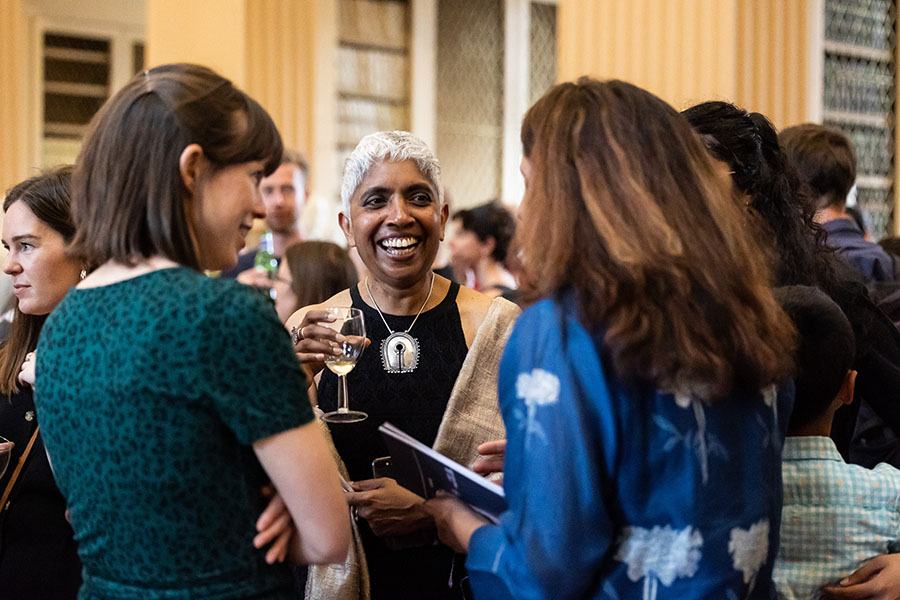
(393, 146)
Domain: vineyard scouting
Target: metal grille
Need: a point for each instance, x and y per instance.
(470, 98)
(542, 51)
(859, 93)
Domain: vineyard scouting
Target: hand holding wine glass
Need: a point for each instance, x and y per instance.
(316, 337)
(351, 326)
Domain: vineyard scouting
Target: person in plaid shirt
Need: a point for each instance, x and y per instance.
(836, 516)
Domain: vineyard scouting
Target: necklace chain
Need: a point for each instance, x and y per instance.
(380, 314)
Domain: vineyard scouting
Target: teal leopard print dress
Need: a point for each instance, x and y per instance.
(150, 393)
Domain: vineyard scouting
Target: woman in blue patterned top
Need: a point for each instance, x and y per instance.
(167, 399)
(638, 392)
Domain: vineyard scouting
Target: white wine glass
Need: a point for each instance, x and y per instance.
(349, 323)
(6, 447)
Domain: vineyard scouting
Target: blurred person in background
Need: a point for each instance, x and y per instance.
(284, 194)
(748, 148)
(479, 247)
(310, 273)
(826, 162)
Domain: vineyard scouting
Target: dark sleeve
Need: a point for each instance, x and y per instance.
(245, 261)
(878, 368)
(252, 373)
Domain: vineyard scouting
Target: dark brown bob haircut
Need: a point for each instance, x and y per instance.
(128, 195)
(626, 209)
(824, 159)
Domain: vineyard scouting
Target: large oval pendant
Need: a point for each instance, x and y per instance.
(399, 353)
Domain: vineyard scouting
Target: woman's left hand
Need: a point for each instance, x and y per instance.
(274, 525)
(455, 521)
(390, 508)
(26, 371)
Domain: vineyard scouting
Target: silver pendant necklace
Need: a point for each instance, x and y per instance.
(400, 350)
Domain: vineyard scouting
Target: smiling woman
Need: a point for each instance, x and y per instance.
(202, 399)
(426, 336)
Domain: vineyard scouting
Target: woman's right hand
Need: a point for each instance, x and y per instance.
(312, 341)
(26, 372)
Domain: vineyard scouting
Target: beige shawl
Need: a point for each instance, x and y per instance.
(472, 417)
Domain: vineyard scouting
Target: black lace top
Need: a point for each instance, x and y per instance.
(413, 401)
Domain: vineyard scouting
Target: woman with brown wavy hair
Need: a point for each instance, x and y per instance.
(638, 392)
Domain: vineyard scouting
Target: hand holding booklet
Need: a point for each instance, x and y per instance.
(420, 469)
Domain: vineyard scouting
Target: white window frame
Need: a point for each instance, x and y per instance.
(121, 35)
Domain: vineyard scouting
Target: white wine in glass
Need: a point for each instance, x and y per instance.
(6, 447)
(348, 322)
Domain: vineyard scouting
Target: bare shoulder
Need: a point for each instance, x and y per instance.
(473, 308)
(342, 298)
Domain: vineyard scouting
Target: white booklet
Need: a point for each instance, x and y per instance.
(420, 469)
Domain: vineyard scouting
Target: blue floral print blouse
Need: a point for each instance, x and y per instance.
(617, 490)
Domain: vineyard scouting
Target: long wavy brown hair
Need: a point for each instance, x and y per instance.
(625, 208)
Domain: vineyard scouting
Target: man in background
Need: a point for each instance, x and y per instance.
(284, 193)
(826, 162)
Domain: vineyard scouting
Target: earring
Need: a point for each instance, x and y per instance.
(83, 273)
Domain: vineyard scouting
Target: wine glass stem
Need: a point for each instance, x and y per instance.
(342, 395)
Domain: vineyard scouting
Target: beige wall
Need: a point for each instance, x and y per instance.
(279, 51)
(15, 150)
(681, 50)
(777, 69)
(207, 32)
(290, 56)
(752, 52)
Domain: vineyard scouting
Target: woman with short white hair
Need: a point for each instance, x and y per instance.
(394, 215)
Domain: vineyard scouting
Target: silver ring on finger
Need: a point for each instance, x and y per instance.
(296, 335)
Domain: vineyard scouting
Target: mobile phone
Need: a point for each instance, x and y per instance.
(381, 467)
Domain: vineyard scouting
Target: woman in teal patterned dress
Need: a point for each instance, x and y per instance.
(167, 398)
